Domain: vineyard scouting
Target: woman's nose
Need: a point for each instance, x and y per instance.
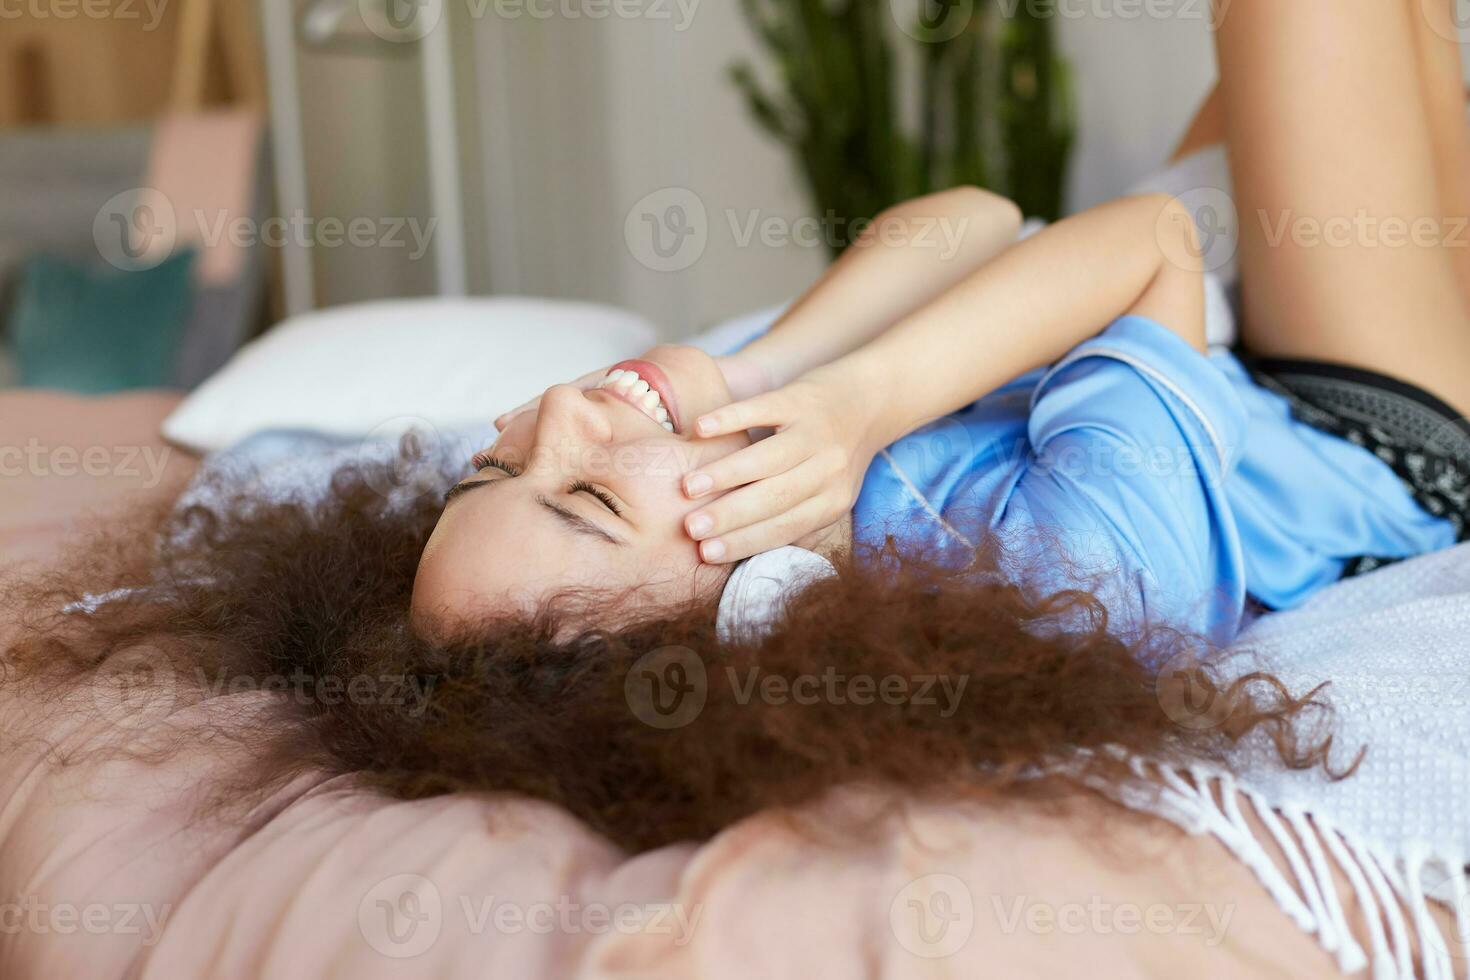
(568, 414)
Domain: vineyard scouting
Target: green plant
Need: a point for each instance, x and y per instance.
(995, 101)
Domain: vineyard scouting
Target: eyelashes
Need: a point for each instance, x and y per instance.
(582, 486)
(484, 461)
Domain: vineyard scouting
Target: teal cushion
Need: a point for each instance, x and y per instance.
(92, 331)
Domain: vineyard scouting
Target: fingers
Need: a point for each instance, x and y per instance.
(586, 381)
(510, 416)
(753, 413)
(757, 461)
(808, 516)
(754, 503)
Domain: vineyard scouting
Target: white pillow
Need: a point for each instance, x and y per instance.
(383, 368)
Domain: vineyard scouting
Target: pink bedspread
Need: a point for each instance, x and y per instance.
(64, 460)
(108, 870)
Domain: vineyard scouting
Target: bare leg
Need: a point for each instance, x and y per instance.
(1440, 74)
(1334, 162)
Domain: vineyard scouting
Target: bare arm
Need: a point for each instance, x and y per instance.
(1031, 305)
(1022, 310)
(908, 256)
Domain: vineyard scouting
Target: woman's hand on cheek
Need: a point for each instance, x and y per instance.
(799, 480)
(586, 382)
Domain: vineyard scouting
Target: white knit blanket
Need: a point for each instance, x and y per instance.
(1395, 649)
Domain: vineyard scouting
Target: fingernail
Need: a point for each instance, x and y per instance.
(712, 550)
(697, 484)
(700, 525)
(706, 426)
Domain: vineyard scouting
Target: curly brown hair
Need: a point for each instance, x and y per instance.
(895, 673)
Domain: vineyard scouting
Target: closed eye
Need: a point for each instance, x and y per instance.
(582, 486)
(484, 461)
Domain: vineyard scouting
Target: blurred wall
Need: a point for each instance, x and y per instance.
(1138, 83)
(363, 137)
(569, 124)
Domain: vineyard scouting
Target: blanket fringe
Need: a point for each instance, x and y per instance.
(1389, 893)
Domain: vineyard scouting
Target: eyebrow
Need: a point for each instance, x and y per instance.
(577, 522)
(568, 517)
(463, 487)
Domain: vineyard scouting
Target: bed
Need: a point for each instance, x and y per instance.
(65, 459)
(106, 869)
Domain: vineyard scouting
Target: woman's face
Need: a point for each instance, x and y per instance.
(581, 493)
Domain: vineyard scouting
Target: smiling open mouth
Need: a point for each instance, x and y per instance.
(644, 386)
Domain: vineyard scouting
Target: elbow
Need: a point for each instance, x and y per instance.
(1175, 231)
(966, 206)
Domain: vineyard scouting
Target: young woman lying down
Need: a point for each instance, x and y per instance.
(1020, 472)
(1051, 399)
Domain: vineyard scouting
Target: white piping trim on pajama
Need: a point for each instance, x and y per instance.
(924, 501)
(1147, 369)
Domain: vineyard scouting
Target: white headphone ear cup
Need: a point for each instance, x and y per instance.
(757, 591)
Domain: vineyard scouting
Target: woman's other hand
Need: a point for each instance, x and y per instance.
(745, 375)
(798, 481)
(586, 382)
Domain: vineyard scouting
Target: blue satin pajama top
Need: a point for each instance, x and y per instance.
(1167, 480)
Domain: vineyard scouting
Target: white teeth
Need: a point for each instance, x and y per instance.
(640, 393)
